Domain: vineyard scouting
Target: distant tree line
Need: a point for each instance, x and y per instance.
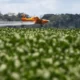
(63, 20)
(56, 20)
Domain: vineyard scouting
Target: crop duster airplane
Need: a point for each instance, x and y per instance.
(25, 21)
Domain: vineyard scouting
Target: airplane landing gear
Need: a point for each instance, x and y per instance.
(22, 26)
(41, 25)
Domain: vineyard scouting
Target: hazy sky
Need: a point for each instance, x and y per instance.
(39, 7)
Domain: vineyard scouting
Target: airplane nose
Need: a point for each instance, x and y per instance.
(45, 21)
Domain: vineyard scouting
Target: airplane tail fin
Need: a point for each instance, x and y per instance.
(23, 17)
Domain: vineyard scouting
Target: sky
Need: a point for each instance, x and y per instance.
(40, 7)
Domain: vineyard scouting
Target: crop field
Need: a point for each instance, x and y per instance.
(39, 54)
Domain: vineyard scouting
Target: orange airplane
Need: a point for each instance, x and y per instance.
(24, 21)
(36, 20)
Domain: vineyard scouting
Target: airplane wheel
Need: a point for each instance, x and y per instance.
(41, 25)
(22, 26)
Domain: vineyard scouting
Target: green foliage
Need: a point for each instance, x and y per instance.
(39, 54)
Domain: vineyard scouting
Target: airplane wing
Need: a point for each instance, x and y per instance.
(14, 23)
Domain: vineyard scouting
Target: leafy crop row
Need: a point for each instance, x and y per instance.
(39, 54)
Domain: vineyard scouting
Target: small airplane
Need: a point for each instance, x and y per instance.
(36, 20)
(25, 21)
